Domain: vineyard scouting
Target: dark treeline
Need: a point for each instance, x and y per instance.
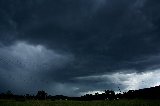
(147, 93)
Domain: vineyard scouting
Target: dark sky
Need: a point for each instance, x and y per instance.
(73, 47)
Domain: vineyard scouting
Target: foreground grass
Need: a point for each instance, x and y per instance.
(81, 103)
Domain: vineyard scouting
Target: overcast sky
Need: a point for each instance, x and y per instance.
(73, 47)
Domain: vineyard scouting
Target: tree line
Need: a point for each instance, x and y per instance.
(147, 93)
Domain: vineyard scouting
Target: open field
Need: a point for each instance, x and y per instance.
(81, 103)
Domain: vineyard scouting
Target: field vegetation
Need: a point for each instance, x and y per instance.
(80, 103)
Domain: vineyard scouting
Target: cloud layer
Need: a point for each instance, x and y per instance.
(62, 41)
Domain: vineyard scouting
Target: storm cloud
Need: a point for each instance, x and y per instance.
(80, 45)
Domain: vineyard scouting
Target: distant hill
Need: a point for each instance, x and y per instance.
(146, 93)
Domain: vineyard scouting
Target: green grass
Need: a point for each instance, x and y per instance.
(81, 103)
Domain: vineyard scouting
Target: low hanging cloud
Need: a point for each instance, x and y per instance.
(30, 56)
(125, 81)
(24, 65)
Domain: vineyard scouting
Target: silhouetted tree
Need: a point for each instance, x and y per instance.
(41, 95)
(9, 94)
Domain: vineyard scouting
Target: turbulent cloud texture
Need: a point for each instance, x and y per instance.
(80, 45)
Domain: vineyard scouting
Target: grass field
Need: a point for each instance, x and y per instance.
(81, 103)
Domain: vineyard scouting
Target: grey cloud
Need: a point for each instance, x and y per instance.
(123, 80)
(93, 37)
(24, 66)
